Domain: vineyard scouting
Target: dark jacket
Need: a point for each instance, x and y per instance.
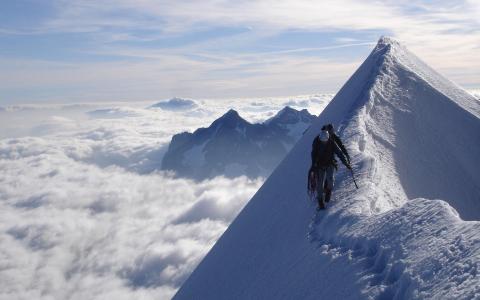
(336, 138)
(323, 153)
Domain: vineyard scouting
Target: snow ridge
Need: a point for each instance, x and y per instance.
(413, 138)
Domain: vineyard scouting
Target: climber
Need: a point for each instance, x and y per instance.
(321, 173)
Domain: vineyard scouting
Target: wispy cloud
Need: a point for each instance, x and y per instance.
(179, 48)
(184, 16)
(166, 75)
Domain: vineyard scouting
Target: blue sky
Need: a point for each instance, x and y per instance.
(87, 51)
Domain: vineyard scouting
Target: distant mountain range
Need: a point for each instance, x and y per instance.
(175, 104)
(231, 146)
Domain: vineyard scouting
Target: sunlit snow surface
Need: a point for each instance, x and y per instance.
(411, 230)
(85, 215)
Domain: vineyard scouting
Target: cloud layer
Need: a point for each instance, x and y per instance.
(84, 214)
(75, 230)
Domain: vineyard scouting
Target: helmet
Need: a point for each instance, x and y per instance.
(324, 136)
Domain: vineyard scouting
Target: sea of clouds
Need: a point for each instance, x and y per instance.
(85, 212)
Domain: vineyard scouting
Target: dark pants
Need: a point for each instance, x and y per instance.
(325, 184)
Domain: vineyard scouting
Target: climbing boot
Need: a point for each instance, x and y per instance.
(328, 195)
(321, 203)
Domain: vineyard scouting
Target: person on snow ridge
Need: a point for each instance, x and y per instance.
(336, 139)
(323, 166)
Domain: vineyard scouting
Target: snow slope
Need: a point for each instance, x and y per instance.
(414, 139)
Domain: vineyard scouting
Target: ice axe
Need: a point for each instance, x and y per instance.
(353, 177)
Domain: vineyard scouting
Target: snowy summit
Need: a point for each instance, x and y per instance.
(414, 141)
